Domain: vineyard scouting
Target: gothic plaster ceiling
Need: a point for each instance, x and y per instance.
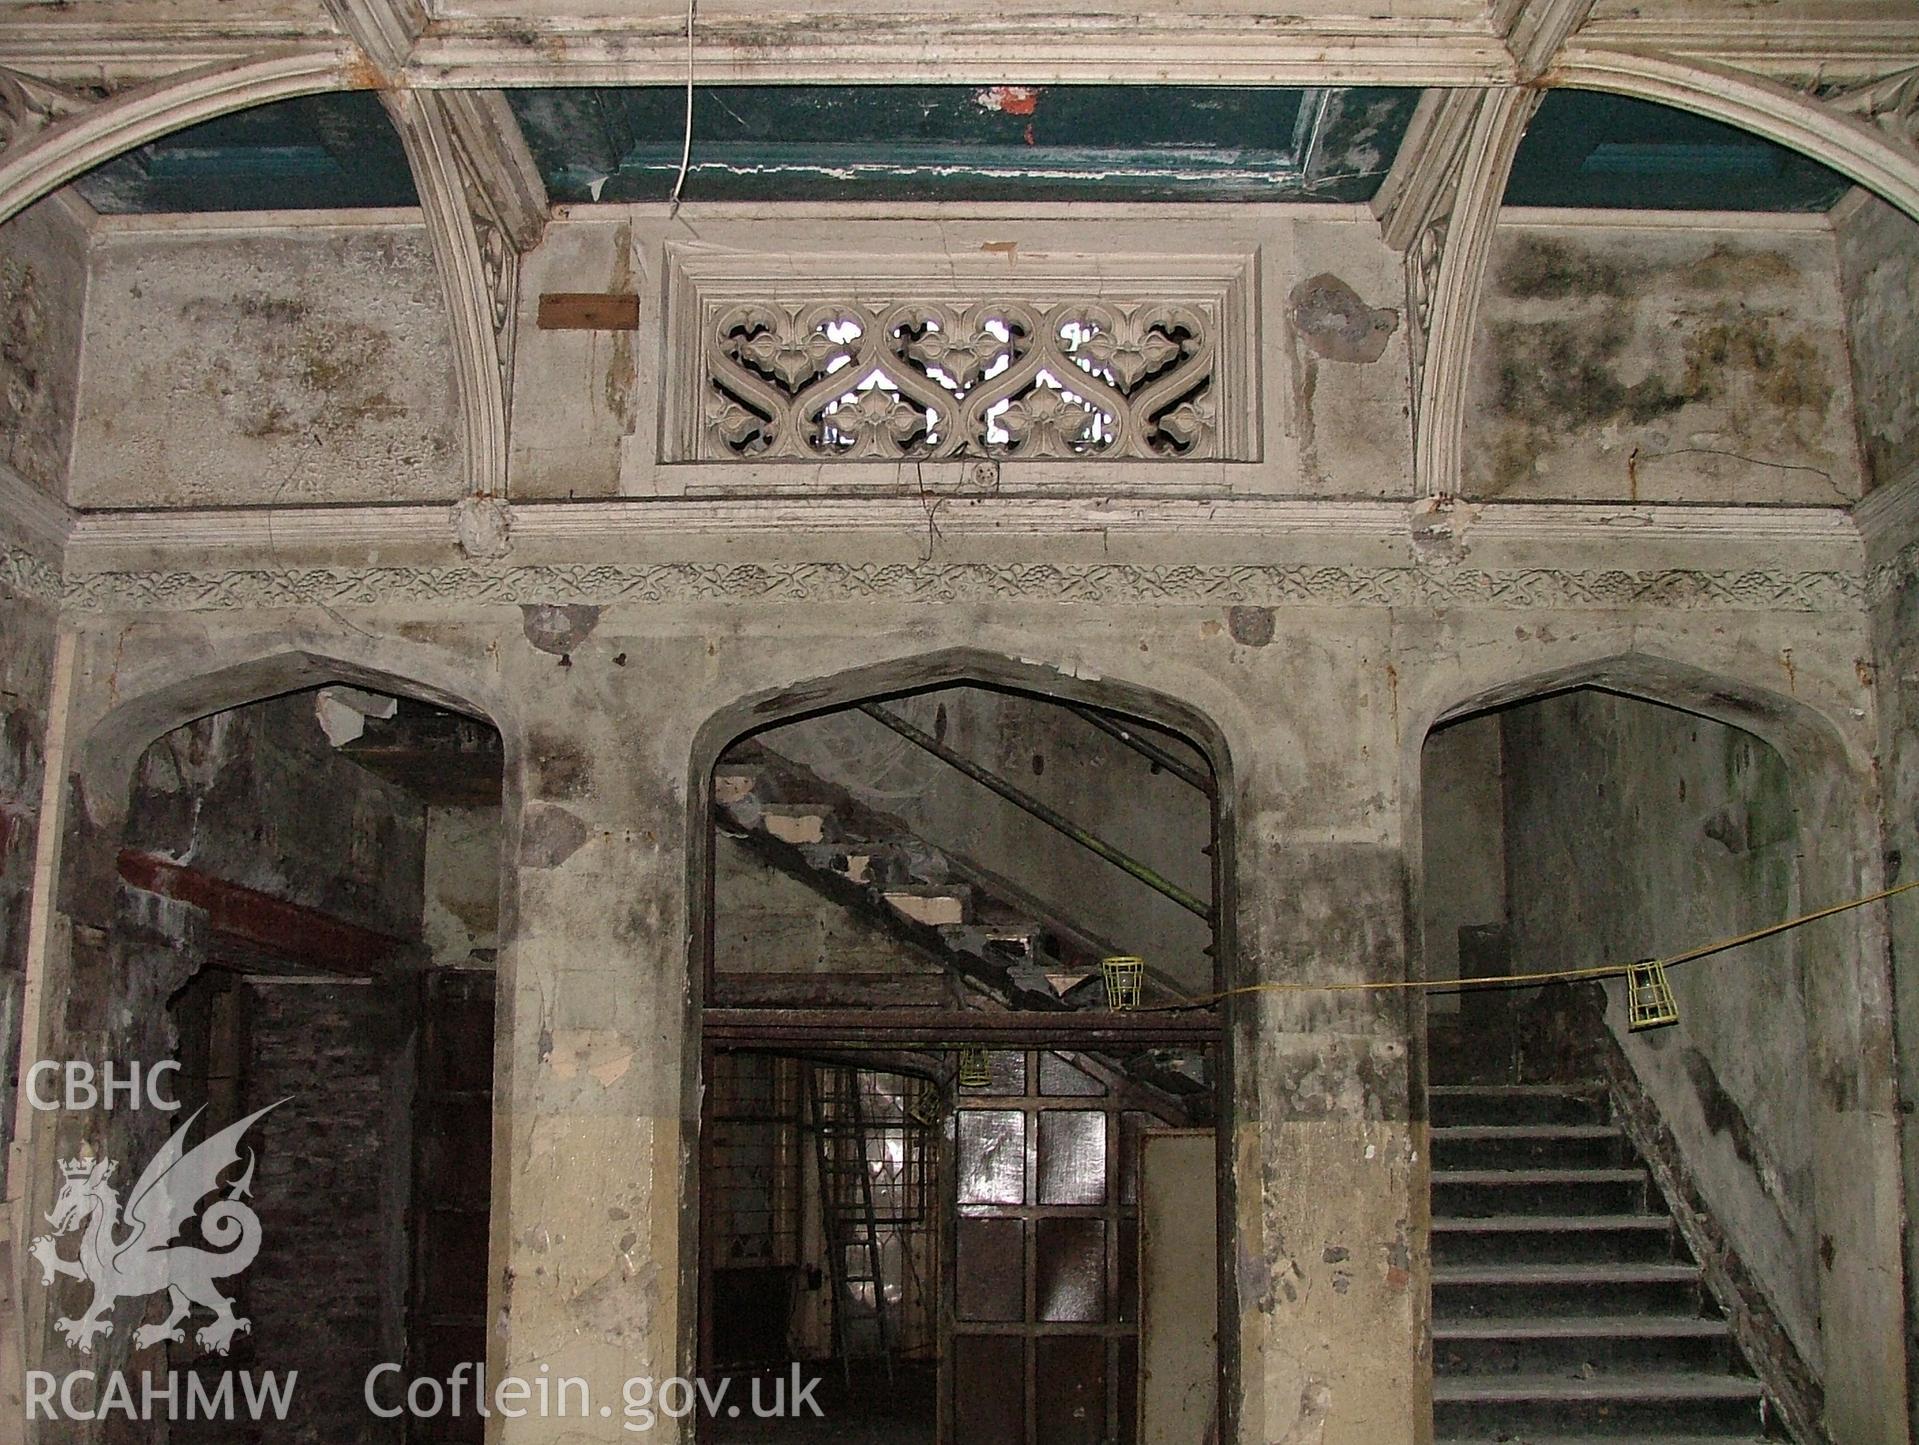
(317, 152)
(967, 142)
(939, 143)
(1588, 149)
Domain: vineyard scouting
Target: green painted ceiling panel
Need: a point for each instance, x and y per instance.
(931, 143)
(964, 143)
(314, 153)
(1588, 149)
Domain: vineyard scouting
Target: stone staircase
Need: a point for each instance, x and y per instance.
(1005, 947)
(1565, 1306)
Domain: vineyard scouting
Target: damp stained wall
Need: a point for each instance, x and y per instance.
(1896, 672)
(1463, 852)
(1636, 831)
(259, 797)
(1879, 277)
(460, 918)
(265, 367)
(1637, 364)
(43, 298)
(26, 661)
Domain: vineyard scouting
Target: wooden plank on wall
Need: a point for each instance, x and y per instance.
(589, 311)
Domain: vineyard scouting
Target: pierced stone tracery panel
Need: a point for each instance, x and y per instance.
(1058, 364)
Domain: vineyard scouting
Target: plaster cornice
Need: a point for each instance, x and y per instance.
(615, 523)
(1888, 517)
(1270, 552)
(1410, 585)
(43, 522)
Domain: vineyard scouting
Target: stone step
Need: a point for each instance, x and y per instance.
(1473, 1193)
(1555, 1239)
(733, 783)
(1523, 1146)
(1576, 1345)
(869, 862)
(1466, 1104)
(796, 823)
(1485, 1291)
(934, 907)
(1616, 1406)
(995, 942)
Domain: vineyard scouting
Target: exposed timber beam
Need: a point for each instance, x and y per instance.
(289, 930)
(938, 1028)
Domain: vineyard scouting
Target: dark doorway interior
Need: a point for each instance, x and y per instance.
(926, 1095)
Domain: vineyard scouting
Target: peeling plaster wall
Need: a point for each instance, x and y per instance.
(265, 367)
(26, 661)
(1879, 276)
(43, 300)
(1463, 829)
(1635, 831)
(1896, 667)
(1631, 364)
(588, 415)
(1065, 762)
(461, 918)
(598, 1083)
(766, 921)
(258, 796)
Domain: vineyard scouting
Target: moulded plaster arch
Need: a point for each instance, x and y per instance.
(771, 707)
(958, 666)
(104, 758)
(107, 743)
(134, 117)
(1853, 146)
(1851, 1052)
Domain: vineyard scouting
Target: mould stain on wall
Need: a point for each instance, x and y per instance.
(311, 359)
(1710, 366)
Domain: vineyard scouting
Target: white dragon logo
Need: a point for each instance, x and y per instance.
(146, 1260)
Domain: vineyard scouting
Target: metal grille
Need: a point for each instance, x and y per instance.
(754, 1160)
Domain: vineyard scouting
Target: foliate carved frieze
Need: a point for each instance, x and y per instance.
(1058, 363)
(946, 582)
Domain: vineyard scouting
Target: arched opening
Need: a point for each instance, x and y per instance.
(941, 1171)
(298, 912)
(1590, 1179)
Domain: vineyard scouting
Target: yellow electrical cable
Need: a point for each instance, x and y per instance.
(1562, 975)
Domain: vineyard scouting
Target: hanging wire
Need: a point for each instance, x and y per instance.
(1558, 975)
(686, 138)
